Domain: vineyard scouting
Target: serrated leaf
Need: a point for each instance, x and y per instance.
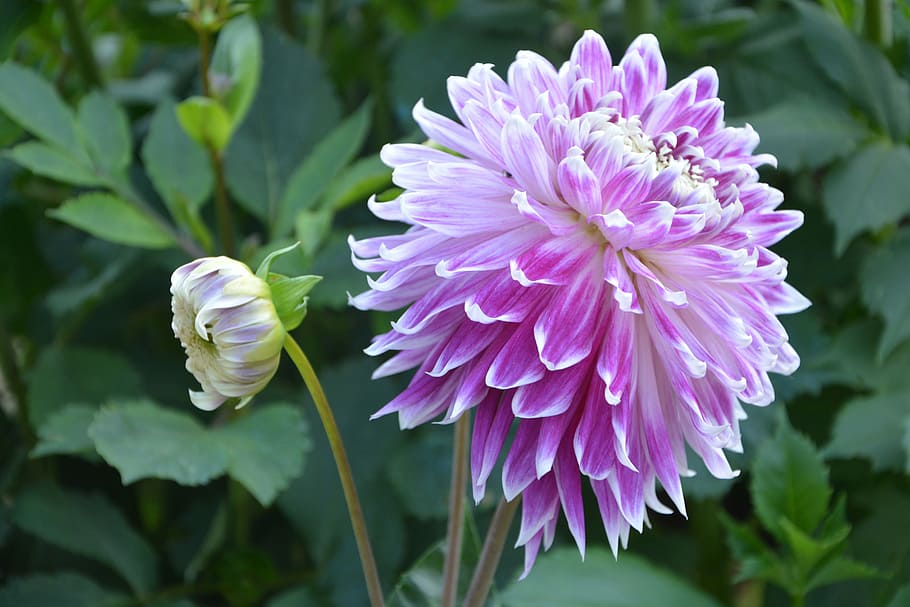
(841, 569)
(868, 190)
(143, 440)
(756, 560)
(32, 102)
(62, 376)
(862, 71)
(66, 432)
(789, 480)
(59, 590)
(236, 64)
(111, 218)
(872, 427)
(275, 136)
(807, 550)
(310, 180)
(266, 449)
(179, 168)
(206, 121)
(886, 291)
(48, 161)
(100, 532)
(803, 133)
(561, 578)
(107, 131)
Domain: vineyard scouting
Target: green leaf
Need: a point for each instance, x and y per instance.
(179, 168)
(902, 598)
(861, 70)
(804, 133)
(278, 134)
(48, 161)
(143, 440)
(59, 590)
(66, 432)
(77, 375)
(33, 103)
(886, 291)
(312, 227)
(419, 473)
(319, 168)
(110, 218)
(868, 190)
(872, 427)
(88, 525)
(290, 297)
(421, 585)
(107, 131)
(807, 550)
(756, 560)
(236, 64)
(357, 182)
(205, 121)
(561, 578)
(266, 448)
(302, 596)
(789, 480)
(841, 569)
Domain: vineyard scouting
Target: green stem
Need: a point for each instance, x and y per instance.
(456, 512)
(122, 187)
(9, 367)
(287, 16)
(878, 22)
(798, 600)
(222, 203)
(205, 57)
(374, 588)
(489, 555)
(82, 46)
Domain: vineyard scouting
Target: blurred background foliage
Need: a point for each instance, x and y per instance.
(116, 155)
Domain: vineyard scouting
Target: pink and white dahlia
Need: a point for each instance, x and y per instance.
(588, 262)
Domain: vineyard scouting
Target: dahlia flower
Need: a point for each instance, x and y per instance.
(588, 263)
(226, 321)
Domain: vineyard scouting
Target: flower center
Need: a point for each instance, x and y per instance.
(201, 352)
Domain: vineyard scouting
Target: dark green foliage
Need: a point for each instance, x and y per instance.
(115, 492)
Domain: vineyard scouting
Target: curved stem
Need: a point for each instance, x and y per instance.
(492, 550)
(879, 29)
(344, 469)
(222, 203)
(456, 512)
(82, 45)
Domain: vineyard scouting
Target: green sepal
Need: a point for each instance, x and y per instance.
(289, 297)
(265, 268)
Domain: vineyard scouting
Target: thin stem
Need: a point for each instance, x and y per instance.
(287, 16)
(344, 469)
(489, 556)
(222, 203)
(205, 57)
(456, 512)
(125, 190)
(878, 22)
(798, 600)
(82, 46)
(9, 367)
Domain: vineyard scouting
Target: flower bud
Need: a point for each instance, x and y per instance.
(226, 321)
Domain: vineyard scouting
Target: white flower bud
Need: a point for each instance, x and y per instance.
(226, 321)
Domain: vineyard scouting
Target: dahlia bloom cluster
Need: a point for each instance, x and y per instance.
(588, 263)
